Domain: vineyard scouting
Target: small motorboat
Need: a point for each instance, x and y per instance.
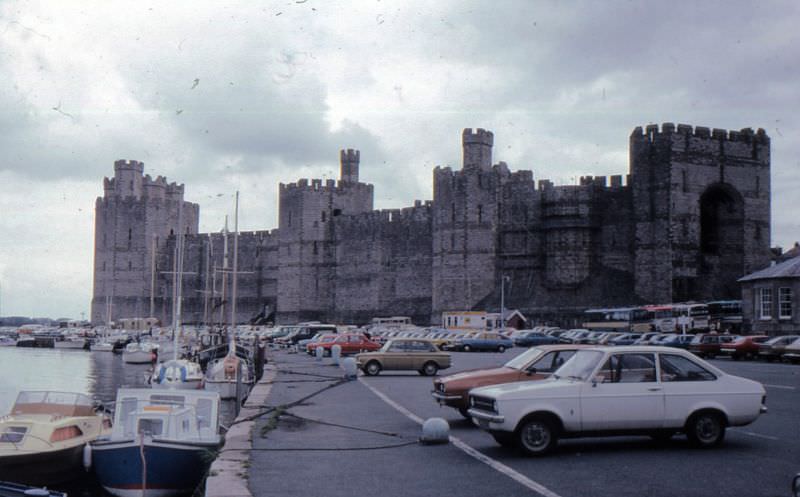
(140, 353)
(162, 442)
(230, 376)
(70, 342)
(42, 438)
(6, 341)
(177, 373)
(8, 489)
(102, 347)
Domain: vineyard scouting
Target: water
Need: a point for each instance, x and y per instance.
(97, 374)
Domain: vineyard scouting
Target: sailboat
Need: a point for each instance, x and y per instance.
(231, 376)
(176, 372)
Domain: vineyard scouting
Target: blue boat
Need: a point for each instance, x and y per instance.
(163, 442)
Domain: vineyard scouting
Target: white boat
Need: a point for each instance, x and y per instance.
(42, 438)
(177, 373)
(70, 342)
(7, 342)
(162, 442)
(140, 353)
(230, 376)
(102, 347)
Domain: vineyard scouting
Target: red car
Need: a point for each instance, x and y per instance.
(743, 347)
(709, 344)
(351, 343)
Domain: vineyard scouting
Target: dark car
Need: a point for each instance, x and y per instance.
(774, 347)
(677, 340)
(532, 339)
(625, 339)
(709, 344)
(743, 347)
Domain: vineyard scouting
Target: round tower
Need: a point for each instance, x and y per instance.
(477, 147)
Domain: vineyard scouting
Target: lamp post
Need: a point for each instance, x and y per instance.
(503, 280)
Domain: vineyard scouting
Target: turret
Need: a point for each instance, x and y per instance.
(349, 165)
(477, 147)
(128, 178)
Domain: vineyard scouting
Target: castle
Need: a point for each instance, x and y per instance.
(691, 217)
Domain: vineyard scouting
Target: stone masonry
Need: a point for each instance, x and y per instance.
(690, 218)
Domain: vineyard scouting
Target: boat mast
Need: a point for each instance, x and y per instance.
(232, 335)
(176, 324)
(153, 278)
(224, 272)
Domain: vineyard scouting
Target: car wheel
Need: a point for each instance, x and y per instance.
(501, 348)
(464, 412)
(429, 368)
(706, 429)
(537, 436)
(505, 439)
(467, 348)
(372, 368)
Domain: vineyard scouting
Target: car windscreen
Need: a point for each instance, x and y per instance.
(524, 359)
(580, 366)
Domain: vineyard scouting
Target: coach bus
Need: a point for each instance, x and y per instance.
(725, 315)
(690, 317)
(623, 319)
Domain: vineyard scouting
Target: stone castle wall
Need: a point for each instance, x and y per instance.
(691, 216)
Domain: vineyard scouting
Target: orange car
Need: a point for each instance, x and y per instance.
(351, 343)
(537, 363)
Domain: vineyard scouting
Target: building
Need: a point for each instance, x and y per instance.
(690, 218)
(771, 299)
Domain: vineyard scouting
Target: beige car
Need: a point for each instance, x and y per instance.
(405, 354)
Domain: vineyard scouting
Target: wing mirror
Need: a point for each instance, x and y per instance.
(531, 370)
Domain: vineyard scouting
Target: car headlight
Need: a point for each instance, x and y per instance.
(472, 401)
(494, 405)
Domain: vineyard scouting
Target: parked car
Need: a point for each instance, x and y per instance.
(677, 340)
(486, 340)
(709, 344)
(532, 339)
(536, 363)
(645, 338)
(648, 390)
(773, 348)
(404, 354)
(625, 339)
(351, 343)
(792, 352)
(743, 347)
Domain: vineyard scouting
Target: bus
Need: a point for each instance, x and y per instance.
(691, 317)
(621, 319)
(725, 315)
(663, 318)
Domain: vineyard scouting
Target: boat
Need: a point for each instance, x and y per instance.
(8, 489)
(70, 342)
(42, 438)
(177, 373)
(140, 353)
(102, 347)
(162, 442)
(6, 341)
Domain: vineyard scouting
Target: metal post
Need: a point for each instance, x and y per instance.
(235, 262)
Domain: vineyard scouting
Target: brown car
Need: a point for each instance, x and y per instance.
(537, 363)
(743, 347)
(404, 354)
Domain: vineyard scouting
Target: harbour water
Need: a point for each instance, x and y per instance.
(98, 374)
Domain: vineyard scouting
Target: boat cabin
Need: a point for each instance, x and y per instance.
(179, 414)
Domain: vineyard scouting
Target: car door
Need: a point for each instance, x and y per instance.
(624, 394)
(393, 357)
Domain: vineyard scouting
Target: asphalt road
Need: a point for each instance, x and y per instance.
(756, 460)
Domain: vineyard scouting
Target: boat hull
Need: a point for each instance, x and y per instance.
(43, 468)
(173, 468)
(138, 357)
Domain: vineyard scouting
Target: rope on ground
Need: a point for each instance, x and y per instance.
(289, 371)
(373, 447)
(348, 427)
(257, 415)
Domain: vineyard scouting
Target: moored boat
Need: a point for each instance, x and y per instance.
(140, 353)
(70, 342)
(177, 373)
(8, 489)
(162, 442)
(42, 438)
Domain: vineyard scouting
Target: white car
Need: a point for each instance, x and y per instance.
(656, 391)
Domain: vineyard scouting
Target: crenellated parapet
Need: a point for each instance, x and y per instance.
(700, 140)
(652, 132)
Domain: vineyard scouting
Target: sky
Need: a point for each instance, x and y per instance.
(226, 96)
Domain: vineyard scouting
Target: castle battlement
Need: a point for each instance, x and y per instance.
(316, 186)
(477, 136)
(652, 131)
(131, 165)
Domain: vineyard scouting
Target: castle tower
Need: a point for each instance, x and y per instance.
(702, 214)
(466, 204)
(349, 165)
(306, 245)
(134, 218)
(477, 147)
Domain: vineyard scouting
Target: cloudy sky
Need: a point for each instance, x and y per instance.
(226, 95)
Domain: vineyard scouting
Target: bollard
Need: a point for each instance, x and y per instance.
(336, 353)
(435, 431)
(319, 352)
(350, 369)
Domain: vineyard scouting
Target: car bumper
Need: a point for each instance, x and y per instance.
(444, 398)
(486, 417)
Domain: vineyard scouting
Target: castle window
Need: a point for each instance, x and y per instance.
(130, 233)
(452, 241)
(337, 212)
(104, 265)
(758, 185)
(171, 232)
(315, 248)
(289, 220)
(480, 213)
(453, 213)
(130, 265)
(683, 175)
(323, 216)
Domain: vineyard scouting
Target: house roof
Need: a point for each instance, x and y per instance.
(786, 269)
